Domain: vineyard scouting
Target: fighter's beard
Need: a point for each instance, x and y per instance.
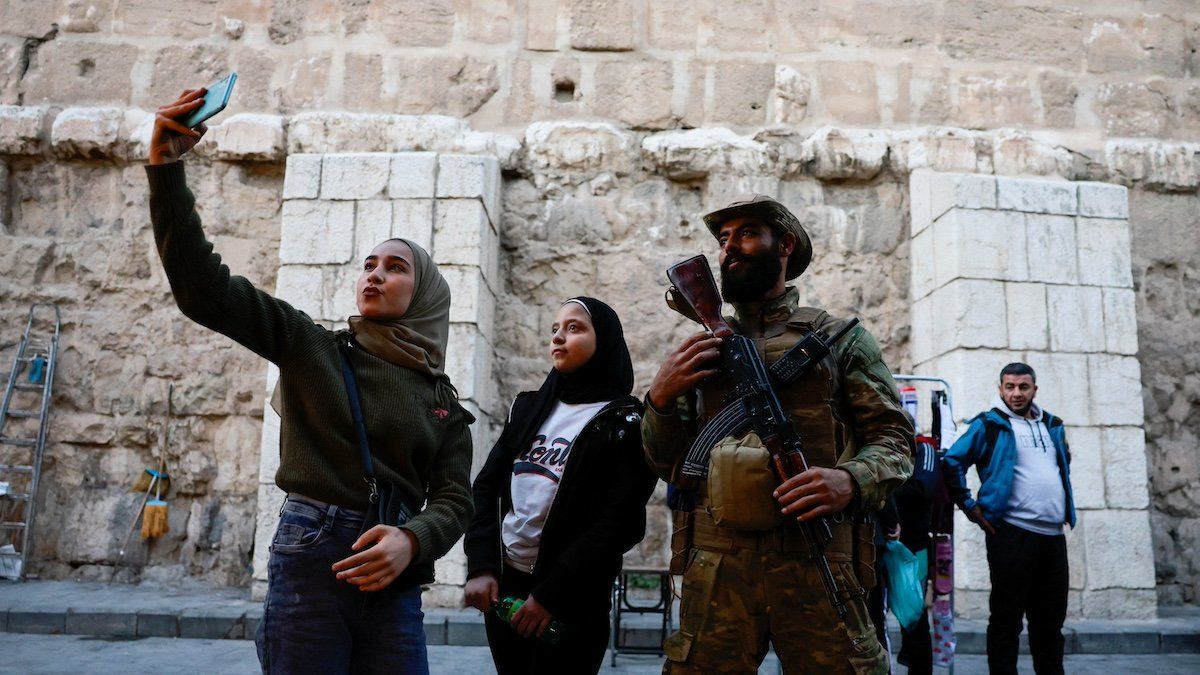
(751, 281)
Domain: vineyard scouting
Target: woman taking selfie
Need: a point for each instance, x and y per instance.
(349, 555)
(560, 499)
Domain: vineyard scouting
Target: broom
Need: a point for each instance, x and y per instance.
(154, 513)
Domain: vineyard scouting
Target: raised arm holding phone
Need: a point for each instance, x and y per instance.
(347, 561)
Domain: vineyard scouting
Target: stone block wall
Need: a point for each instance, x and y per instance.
(1039, 271)
(336, 208)
(1101, 68)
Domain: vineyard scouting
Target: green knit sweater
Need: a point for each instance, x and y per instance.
(420, 440)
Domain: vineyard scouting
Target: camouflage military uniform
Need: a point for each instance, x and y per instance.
(743, 589)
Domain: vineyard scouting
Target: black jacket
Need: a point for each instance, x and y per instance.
(598, 513)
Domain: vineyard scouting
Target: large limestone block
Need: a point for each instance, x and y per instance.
(1116, 388)
(585, 148)
(922, 267)
(372, 226)
(463, 235)
(1018, 153)
(1076, 563)
(940, 149)
(270, 499)
(1087, 463)
(20, 129)
(696, 153)
(90, 133)
(413, 175)
(316, 231)
(340, 297)
(1063, 386)
(81, 71)
(248, 137)
(970, 555)
(354, 175)
(1028, 323)
(960, 190)
(1125, 468)
(637, 93)
(1103, 200)
(603, 25)
(1120, 321)
(268, 456)
(1037, 196)
(469, 360)
(970, 314)
(741, 92)
(979, 244)
(412, 219)
(921, 348)
(302, 177)
(1104, 252)
(1052, 250)
(1118, 549)
(474, 301)
(451, 569)
(466, 177)
(840, 154)
(302, 287)
(920, 186)
(1120, 603)
(1076, 316)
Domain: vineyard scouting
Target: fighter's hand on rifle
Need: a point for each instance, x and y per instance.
(691, 362)
(816, 492)
(170, 139)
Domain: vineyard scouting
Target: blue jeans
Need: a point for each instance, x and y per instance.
(314, 623)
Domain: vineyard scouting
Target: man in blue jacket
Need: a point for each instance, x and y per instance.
(1021, 454)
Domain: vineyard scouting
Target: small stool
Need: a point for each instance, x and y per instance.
(621, 606)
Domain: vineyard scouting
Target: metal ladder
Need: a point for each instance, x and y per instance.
(21, 456)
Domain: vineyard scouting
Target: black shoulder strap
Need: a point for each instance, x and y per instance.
(364, 446)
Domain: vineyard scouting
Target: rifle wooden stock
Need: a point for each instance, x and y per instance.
(694, 281)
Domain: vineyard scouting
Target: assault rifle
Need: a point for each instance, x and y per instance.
(755, 404)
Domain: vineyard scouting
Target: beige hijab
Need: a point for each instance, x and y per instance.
(416, 340)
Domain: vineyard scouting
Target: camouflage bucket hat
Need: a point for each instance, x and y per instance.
(774, 214)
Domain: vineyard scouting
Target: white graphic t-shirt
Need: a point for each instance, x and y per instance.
(536, 474)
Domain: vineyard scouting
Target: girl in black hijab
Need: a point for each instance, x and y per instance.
(560, 499)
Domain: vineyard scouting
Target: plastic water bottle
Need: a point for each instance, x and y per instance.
(508, 606)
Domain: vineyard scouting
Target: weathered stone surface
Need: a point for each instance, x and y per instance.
(413, 175)
(849, 91)
(637, 93)
(1103, 200)
(372, 226)
(80, 72)
(965, 191)
(1119, 603)
(1150, 44)
(979, 244)
(412, 219)
(978, 29)
(1125, 468)
(1063, 386)
(841, 154)
(791, 95)
(541, 25)
(1120, 321)
(1087, 473)
(92, 133)
(1104, 252)
(1018, 153)
(180, 67)
(602, 25)
(306, 84)
(686, 155)
(1076, 319)
(302, 179)
(447, 85)
(938, 149)
(1037, 196)
(740, 93)
(316, 232)
(1116, 386)
(20, 129)
(354, 175)
(247, 137)
(988, 100)
(462, 235)
(1053, 249)
(1027, 315)
(1118, 550)
(1059, 94)
(1135, 109)
(579, 148)
(466, 176)
(419, 23)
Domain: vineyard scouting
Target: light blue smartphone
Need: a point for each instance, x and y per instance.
(215, 101)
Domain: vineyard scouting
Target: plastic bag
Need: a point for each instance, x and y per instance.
(905, 583)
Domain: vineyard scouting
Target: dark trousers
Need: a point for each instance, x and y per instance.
(314, 623)
(1029, 580)
(581, 649)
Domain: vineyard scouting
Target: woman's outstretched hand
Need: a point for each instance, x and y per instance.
(378, 566)
(170, 139)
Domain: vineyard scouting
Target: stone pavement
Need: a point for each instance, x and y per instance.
(203, 613)
(99, 656)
